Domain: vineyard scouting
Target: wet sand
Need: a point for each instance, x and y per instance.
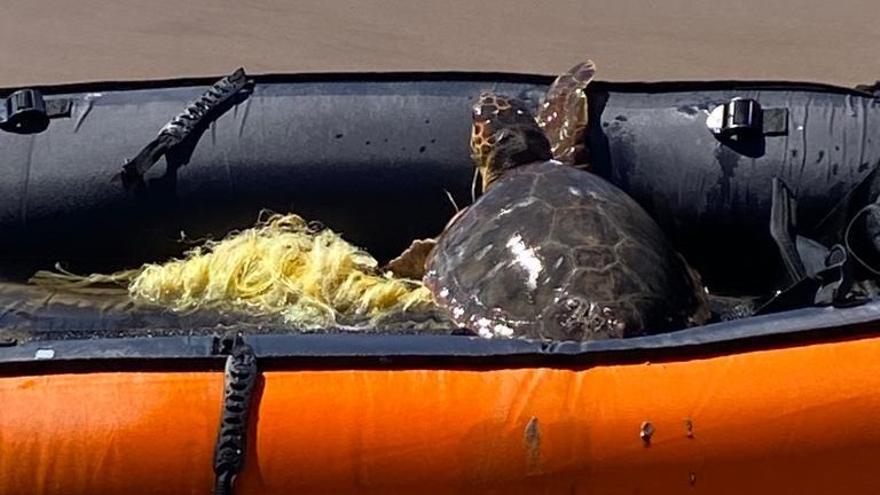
(53, 41)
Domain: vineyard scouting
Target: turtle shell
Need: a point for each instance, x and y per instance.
(558, 253)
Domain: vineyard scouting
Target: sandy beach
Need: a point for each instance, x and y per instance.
(53, 41)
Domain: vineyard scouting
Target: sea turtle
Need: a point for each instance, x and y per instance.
(562, 115)
(550, 251)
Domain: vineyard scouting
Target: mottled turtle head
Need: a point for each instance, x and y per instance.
(505, 135)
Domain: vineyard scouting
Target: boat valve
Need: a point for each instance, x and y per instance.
(741, 118)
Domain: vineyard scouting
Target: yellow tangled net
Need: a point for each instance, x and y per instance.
(311, 278)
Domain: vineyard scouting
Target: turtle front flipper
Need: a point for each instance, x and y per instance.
(563, 114)
(411, 262)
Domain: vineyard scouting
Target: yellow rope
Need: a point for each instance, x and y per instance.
(312, 278)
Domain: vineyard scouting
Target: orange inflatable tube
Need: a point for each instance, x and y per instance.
(793, 420)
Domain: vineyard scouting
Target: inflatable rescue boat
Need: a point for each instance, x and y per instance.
(750, 180)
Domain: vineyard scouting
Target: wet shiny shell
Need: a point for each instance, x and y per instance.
(554, 252)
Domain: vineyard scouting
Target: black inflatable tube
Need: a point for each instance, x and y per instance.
(371, 156)
(798, 327)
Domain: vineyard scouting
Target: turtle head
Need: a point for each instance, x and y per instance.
(505, 135)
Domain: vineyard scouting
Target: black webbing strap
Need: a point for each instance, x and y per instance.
(240, 377)
(219, 98)
(817, 275)
(783, 226)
